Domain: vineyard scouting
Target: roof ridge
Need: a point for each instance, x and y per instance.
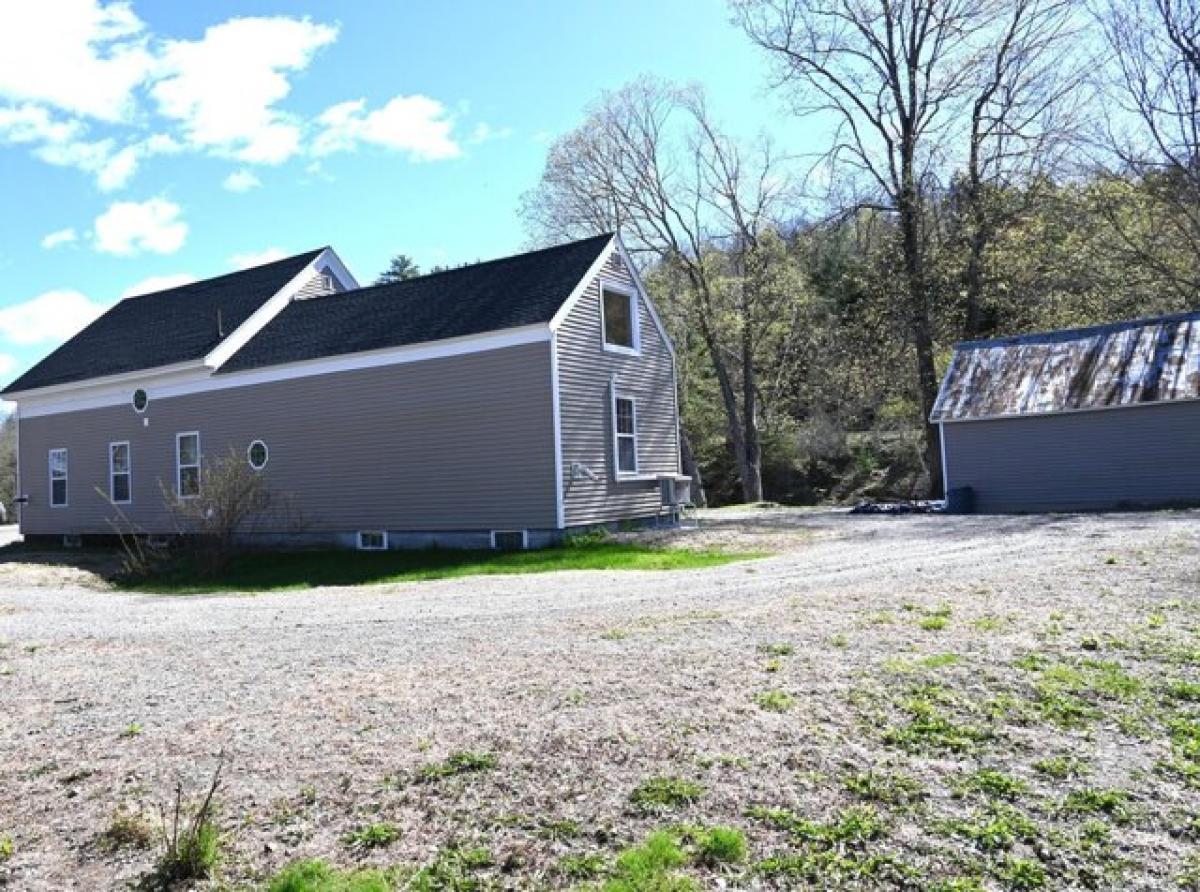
(232, 273)
(479, 263)
(1079, 331)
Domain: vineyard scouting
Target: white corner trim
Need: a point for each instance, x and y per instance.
(272, 307)
(202, 380)
(560, 509)
(329, 258)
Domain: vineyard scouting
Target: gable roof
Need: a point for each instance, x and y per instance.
(163, 328)
(1129, 363)
(525, 289)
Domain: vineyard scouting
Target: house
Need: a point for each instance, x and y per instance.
(1096, 418)
(504, 402)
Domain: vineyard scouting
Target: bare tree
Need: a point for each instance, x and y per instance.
(650, 161)
(908, 84)
(1154, 127)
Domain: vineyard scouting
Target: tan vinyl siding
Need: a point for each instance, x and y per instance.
(456, 443)
(1135, 456)
(584, 370)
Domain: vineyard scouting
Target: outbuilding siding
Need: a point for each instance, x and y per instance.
(585, 371)
(1137, 456)
(456, 443)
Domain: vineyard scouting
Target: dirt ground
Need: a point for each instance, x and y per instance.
(885, 702)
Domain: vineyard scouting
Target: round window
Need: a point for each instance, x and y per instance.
(257, 455)
(140, 400)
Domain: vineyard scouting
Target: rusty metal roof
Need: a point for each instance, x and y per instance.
(1105, 366)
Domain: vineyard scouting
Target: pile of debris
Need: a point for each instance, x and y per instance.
(916, 506)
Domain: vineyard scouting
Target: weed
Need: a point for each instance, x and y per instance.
(6, 847)
(777, 650)
(559, 830)
(451, 871)
(852, 826)
(664, 793)
(308, 794)
(126, 830)
(372, 836)
(1189, 873)
(888, 788)
(930, 728)
(581, 867)
(191, 846)
(829, 868)
(959, 884)
(939, 661)
(461, 762)
(934, 623)
(317, 876)
(720, 845)
(1112, 803)
(1061, 767)
(133, 729)
(1021, 874)
(775, 701)
(994, 827)
(989, 623)
(839, 640)
(1156, 620)
(991, 783)
(614, 635)
(1187, 691)
(773, 665)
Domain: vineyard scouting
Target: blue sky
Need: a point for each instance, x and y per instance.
(158, 141)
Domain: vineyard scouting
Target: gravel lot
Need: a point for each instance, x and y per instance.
(326, 703)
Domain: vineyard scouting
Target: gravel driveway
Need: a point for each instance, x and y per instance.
(327, 702)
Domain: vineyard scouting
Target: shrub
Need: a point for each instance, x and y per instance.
(191, 846)
(664, 793)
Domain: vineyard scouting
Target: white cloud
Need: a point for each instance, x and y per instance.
(417, 125)
(85, 57)
(241, 181)
(157, 283)
(32, 123)
(60, 237)
(130, 227)
(223, 87)
(256, 258)
(51, 316)
(485, 132)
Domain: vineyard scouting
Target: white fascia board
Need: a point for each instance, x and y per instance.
(202, 380)
(272, 307)
(581, 286)
(341, 272)
(89, 385)
(1053, 413)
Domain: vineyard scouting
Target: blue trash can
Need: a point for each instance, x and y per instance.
(960, 500)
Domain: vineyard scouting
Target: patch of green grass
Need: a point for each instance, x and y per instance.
(461, 762)
(1061, 767)
(1114, 804)
(1185, 751)
(451, 871)
(931, 728)
(991, 782)
(995, 827)
(317, 876)
(652, 866)
(855, 825)
(775, 701)
(581, 867)
(276, 571)
(720, 845)
(1184, 691)
(373, 836)
(890, 788)
(665, 793)
(934, 623)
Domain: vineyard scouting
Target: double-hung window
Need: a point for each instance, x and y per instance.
(625, 435)
(119, 491)
(187, 465)
(58, 478)
(619, 319)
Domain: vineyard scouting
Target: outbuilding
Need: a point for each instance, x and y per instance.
(1086, 419)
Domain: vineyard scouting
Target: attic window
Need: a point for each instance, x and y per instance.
(140, 400)
(619, 319)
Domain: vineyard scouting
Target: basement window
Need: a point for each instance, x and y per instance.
(58, 478)
(372, 540)
(510, 540)
(619, 319)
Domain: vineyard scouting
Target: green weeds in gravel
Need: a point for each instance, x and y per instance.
(462, 762)
(372, 836)
(664, 794)
(775, 701)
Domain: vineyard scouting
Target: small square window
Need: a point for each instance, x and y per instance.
(620, 319)
(372, 540)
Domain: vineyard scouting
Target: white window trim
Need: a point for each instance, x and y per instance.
(65, 503)
(128, 472)
(266, 451)
(635, 321)
(616, 437)
(179, 467)
(524, 538)
(359, 540)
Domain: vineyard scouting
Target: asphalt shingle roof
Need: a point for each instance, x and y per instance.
(163, 328)
(525, 289)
